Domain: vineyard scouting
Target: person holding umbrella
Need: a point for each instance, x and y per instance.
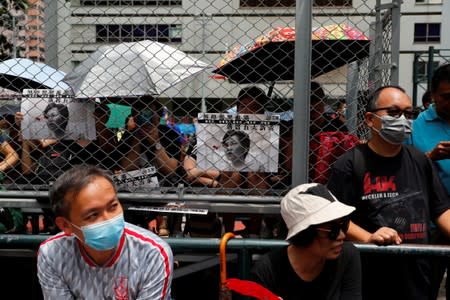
(160, 146)
(11, 219)
(250, 100)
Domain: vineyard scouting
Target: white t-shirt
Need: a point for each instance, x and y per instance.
(142, 268)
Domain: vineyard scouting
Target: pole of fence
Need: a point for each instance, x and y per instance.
(430, 66)
(415, 78)
(352, 96)
(395, 40)
(302, 78)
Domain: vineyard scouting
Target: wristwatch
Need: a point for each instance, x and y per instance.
(158, 147)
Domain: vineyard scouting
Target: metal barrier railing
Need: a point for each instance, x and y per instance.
(243, 247)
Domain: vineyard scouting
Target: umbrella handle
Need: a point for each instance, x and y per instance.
(223, 257)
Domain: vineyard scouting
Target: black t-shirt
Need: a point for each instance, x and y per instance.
(93, 154)
(399, 192)
(169, 139)
(340, 278)
(402, 192)
(55, 159)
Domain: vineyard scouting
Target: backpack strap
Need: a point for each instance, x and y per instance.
(359, 165)
(418, 156)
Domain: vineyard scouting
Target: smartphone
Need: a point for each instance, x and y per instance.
(144, 117)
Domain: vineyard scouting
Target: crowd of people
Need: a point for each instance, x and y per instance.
(391, 189)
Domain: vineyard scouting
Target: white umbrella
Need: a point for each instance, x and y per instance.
(132, 69)
(17, 74)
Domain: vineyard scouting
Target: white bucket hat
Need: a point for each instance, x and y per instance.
(311, 204)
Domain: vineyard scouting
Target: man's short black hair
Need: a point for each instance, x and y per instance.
(426, 98)
(442, 73)
(253, 92)
(372, 104)
(317, 93)
(67, 186)
(146, 102)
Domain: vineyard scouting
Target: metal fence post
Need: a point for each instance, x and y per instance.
(395, 46)
(430, 66)
(302, 80)
(415, 78)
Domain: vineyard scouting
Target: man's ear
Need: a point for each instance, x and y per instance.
(63, 224)
(369, 119)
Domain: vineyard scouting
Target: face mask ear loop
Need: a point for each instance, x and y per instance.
(79, 228)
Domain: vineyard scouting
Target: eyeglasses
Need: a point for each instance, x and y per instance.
(397, 113)
(334, 228)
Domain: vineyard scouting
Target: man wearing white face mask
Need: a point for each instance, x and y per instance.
(396, 192)
(99, 255)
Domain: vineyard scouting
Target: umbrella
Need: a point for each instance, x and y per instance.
(243, 287)
(271, 57)
(9, 109)
(17, 74)
(132, 69)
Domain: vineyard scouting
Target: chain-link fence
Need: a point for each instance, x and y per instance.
(177, 95)
(424, 65)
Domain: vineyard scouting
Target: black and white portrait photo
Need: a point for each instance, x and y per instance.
(245, 142)
(50, 114)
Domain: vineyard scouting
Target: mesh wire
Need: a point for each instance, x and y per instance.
(149, 142)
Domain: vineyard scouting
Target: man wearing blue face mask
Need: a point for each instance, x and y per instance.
(99, 255)
(397, 193)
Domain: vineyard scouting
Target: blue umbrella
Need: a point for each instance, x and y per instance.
(17, 74)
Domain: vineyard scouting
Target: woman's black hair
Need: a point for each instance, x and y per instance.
(304, 238)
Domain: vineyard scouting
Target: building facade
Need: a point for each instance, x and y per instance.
(208, 29)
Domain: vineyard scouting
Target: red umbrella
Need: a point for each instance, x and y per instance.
(243, 287)
(271, 57)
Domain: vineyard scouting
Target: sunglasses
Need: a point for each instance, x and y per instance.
(410, 114)
(334, 228)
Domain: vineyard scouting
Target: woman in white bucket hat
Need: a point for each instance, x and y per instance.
(317, 264)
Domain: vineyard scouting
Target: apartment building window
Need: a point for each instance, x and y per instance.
(291, 3)
(427, 32)
(130, 2)
(163, 33)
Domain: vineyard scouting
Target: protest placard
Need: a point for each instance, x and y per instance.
(55, 114)
(142, 179)
(238, 142)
